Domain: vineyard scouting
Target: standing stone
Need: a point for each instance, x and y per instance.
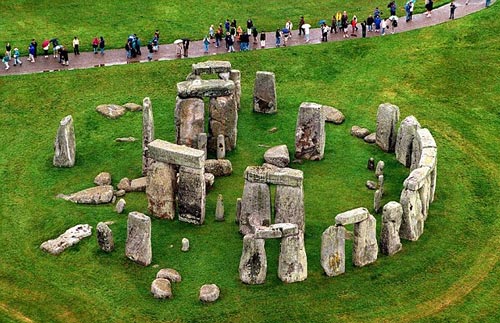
(202, 143)
(365, 248)
(138, 247)
(289, 205)
(189, 121)
(148, 133)
(380, 168)
(333, 250)
(404, 140)
(103, 178)
(238, 210)
(64, 144)
(160, 190)
(377, 199)
(423, 139)
(278, 156)
(185, 245)
(264, 93)
(105, 237)
(209, 293)
(292, 266)
(381, 184)
(391, 221)
(253, 261)
(412, 225)
(69, 238)
(223, 121)
(255, 206)
(221, 147)
(235, 76)
(191, 195)
(310, 132)
(371, 164)
(219, 210)
(387, 119)
(120, 206)
(161, 288)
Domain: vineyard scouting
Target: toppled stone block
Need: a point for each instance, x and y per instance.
(359, 132)
(138, 184)
(112, 111)
(209, 293)
(310, 133)
(371, 138)
(170, 153)
(69, 238)
(264, 93)
(93, 195)
(120, 206)
(387, 119)
(171, 274)
(276, 175)
(333, 115)
(161, 288)
(278, 156)
(352, 216)
(209, 180)
(64, 144)
(103, 178)
(132, 107)
(205, 88)
(219, 167)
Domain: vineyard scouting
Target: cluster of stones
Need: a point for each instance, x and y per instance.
(114, 111)
(161, 287)
(292, 266)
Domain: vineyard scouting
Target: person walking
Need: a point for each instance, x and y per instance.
(64, 56)
(101, 45)
(345, 24)
(369, 23)
(383, 26)
(278, 37)
(488, 3)
(17, 60)
(35, 45)
(289, 26)
(76, 46)
(229, 42)
(206, 42)
(218, 36)
(429, 6)
(185, 46)
(255, 33)
(301, 23)
(6, 59)
(262, 39)
(45, 47)
(95, 44)
(31, 51)
(8, 50)
(452, 10)
(150, 51)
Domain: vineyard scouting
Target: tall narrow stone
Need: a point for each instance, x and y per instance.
(379, 170)
(235, 76)
(202, 142)
(391, 222)
(64, 144)
(310, 132)
(404, 140)
(148, 133)
(264, 93)
(377, 200)
(105, 237)
(292, 266)
(223, 121)
(160, 190)
(371, 164)
(289, 205)
(255, 206)
(221, 147)
(253, 261)
(138, 247)
(189, 121)
(333, 250)
(191, 195)
(423, 139)
(365, 247)
(381, 184)
(238, 210)
(387, 119)
(412, 225)
(219, 209)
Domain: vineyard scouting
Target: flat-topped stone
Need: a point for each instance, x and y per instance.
(170, 153)
(352, 216)
(274, 175)
(416, 179)
(112, 111)
(211, 67)
(205, 88)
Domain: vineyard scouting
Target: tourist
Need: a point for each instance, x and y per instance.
(378, 23)
(286, 36)
(35, 45)
(345, 24)
(452, 10)
(95, 44)
(31, 53)
(227, 25)
(249, 26)
(150, 51)
(8, 50)
(428, 6)
(392, 7)
(244, 42)
(101, 45)
(488, 3)
(306, 29)
(324, 32)
(45, 47)
(255, 33)
(354, 25)
(369, 23)
(301, 23)
(334, 25)
(278, 37)
(156, 41)
(206, 42)
(289, 26)
(6, 59)
(338, 19)
(218, 36)
(17, 60)
(377, 12)
(394, 23)
(211, 33)
(128, 46)
(363, 29)
(185, 46)
(262, 39)
(64, 56)
(137, 45)
(383, 26)
(239, 32)
(229, 42)
(76, 46)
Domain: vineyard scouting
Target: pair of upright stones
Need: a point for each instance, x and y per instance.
(224, 100)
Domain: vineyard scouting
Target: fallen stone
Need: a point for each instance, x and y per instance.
(219, 210)
(103, 178)
(105, 237)
(93, 195)
(124, 185)
(310, 133)
(264, 93)
(133, 107)
(359, 132)
(138, 246)
(138, 184)
(387, 119)
(64, 144)
(161, 288)
(125, 139)
(219, 167)
(370, 138)
(120, 193)
(69, 238)
(209, 293)
(392, 214)
(120, 206)
(112, 111)
(278, 156)
(171, 274)
(352, 216)
(333, 250)
(185, 245)
(333, 115)
(371, 185)
(253, 261)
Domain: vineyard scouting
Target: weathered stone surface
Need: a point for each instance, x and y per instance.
(202, 143)
(189, 121)
(209, 293)
(333, 115)
(219, 167)
(428, 158)
(255, 206)
(417, 178)
(352, 216)
(105, 237)
(69, 238)
(381, 184)
(253, 261)
(274, 175)
(371, 138)
(191, 195)
(359, 132)
(223, 121)
(125, 139)
(235, 76)
(138, 184)
(138, 246)
(170, 153)
(112, 111)
(310, 134)
(412, 225)
(219, 209)
(292, 265)
(333, 250)
(377, 200)
(120, 193)
(204, 88)
(185, 245)
(277, 230)
(160, 190)
(124, 185)
(148, 134)
(120, 206)
(264, 93)
(404, 140)
(387, 120)
(93, 195)
(224, 76)
(371, 185)
(103, 178)
(221, 147)
(289, 205)
(365, 247)
(133, 107)
(392, 214)
(371, 164)
(161, 288)
(238, 210)
(379, 170)
(65, 144)
(209, 180)
(211, 67)
(171, 274)
(278, 156)
(423, 139)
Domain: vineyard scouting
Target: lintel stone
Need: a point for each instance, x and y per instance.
(211, 67)
(352, 216)
(277, 176)
(428, 158)
(205, 88)
(416, 179)
(170, 153)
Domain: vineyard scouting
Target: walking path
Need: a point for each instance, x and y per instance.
(168, 51)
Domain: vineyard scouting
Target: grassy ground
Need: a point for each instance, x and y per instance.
(447, 76)
(23, 20)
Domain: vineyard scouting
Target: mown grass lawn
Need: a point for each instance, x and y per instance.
(446, 76)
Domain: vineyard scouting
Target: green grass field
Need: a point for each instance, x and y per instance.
(446, 76)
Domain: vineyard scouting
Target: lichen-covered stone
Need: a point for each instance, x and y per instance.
(191, 195)
(278, 156)
(211, 67)
(292, 265)
(209, 293)
(390, 242)
(219, 209)
(333, 115)
(94, 195)
(69, 238)
(387, 119)
(189, 121)
(133, 107)
(219, 167)
(65, 144)
(310, 134)
(169, 153)
(205, 88)
(423, 139)
(274, 175)
(264, 93)
(352, 216)
(171, 274)
(255, 206)
(412, 225)
(120, 206)
(138, 246)
(359, 132)
(333, 250)
(377, 200)
(371, 185)
(235, 76)
(404, 140)
(103, 178)
(289, 205)
(223, 121)
(105, 237)
(371, 138)
(185, 245)
(160, 190)
(138, 184)
(161, 288)
(112, 111)
(148, 134)
(365, 247)
(379, 170)
(253, 261)
(221, 147)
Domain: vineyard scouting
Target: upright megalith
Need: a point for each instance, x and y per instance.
(414, 199)
(235, 76)
(223, 121)
(202, 143)
(219, 209)
(148, 133)
(253, 261)
(160, 190)
(189, 121)
(390, 242)
(292, 266)
(387, 119)
(377, 200)
(365, 247)
(191, 195)
(333, 250)
(404, 141)
(310, 132)
(105, 237)
(138, 246)
(264, 93)
(289, 205)
(379, 170)
(65, 144)
(255, 206)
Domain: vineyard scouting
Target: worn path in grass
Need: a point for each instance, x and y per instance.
(168, 52)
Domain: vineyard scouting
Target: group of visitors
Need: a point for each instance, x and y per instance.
(133, 46)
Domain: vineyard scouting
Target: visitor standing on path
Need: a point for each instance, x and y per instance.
(8, 50)
(45, 47)
(35, 45)
(150, 51)
(429, 6)
(262, 39)
(6, 60)
(206, 42)
(301, 23)
(488, 3)
(76, 46)
(218, 36)
(95, 44)
(278, 37)
(17, 60)
(31, 51)
(452, 10)
(101, 45)
(289, 26)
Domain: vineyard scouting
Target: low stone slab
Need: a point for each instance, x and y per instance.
(171, 274)
(170, 153)
(371, 138)
(277, 176)
(218, 167)
(69, 238)
(125, 139)
(211, 67)
(133, 107)
(112, 111)
(185, 245)
(333, 115)
(416, 179)
(103, 178)
(352, 216)
(209, 293)
(161, 288)
(278, 156)
(93, 195)
(371, 185)
(209, 180)
(359, 132)
(205, 88)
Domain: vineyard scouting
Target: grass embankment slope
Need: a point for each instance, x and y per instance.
(447, 76)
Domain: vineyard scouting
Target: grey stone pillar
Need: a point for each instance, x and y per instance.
(202, 142)
(412, 225)
(264, 93)
(64, 144)
(138, 247)
(255, 206)
(253, 261)
(365, 247)
(333, 250)
(238, 210)
(148, 133)
(221, 147)
(404, 140)
(223, 121)
(310, 132)
(161, 189)
(392, 214)
(235, 76)
(219, 209)
(191, 195)
(387, 119)
(289, 205)
(105, 237)
(189, 121)
(292, 266)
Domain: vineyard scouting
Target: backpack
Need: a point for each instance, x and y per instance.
(394, 23)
